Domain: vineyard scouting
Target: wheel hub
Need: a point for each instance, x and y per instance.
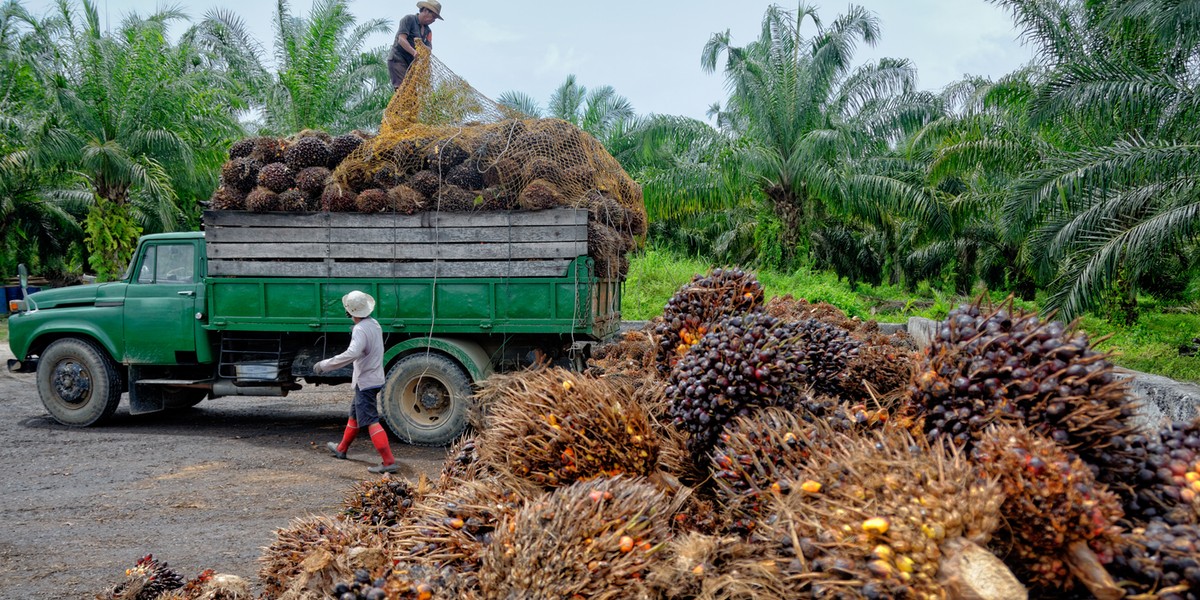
(72, 382)
(432, 395)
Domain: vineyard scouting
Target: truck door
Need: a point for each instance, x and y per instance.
(160, 306)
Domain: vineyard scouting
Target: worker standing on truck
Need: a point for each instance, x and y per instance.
(413, 30)
(366, 352)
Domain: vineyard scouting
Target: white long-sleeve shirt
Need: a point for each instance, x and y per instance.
(365, 351)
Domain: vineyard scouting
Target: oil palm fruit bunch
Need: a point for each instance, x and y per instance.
(311, 181)
(759, 456)
(453, 527)
(555, 427)
(373, 200)
(996, 367)
(261, 199)
(710, 567)
(594, 539)
(241, 148)
(1060, 523)
(419, 582)
(241, 173)
(342, 146)
(880, 369)
(879, 515)
(632, 353)
(227, 198)
(463, 464)
(276, 177)
(823, 353)
(746, 363)
(337, 198)
(1168, 480)
(380, 502)
(210, 585)
(316, 553)
(146, 580)
(837, 414)
(696, 308)
(1159, 561)
(306, 152)
(789, 308)
(268, 150)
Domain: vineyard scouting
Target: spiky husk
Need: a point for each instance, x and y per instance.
(146, 580)
(594, 539)
(268, 150)
(631, 354)
(463, 464)
(227, 198)
(340, 147)
(451, 198)
(241, 173)
(605, 246)
(307, 152)
(315, 553)
(698, 305)
(468, 175)
(875, 528)
(764, 454)
(406, 200)
(241, 148)
(373, 200)
(292, 201)
(709, 567)
(379, 502)
(336, 198)
(452, 527)
(1052, 502)
(1168, 476)
(995, 368)
(312, 180)
(1159, 561)
(276, 177)
(745, 363)
(425, 182)
(881, 369)
(539, 194)
(260, 199)
(553, 427)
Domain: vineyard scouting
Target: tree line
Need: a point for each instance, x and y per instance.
(1073, 174)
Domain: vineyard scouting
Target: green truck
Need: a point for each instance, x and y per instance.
(248, 306)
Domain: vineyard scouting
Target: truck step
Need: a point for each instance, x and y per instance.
(172, 381)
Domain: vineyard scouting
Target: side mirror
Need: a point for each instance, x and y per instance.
(24, 274)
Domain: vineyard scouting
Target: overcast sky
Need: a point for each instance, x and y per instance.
(648, 50)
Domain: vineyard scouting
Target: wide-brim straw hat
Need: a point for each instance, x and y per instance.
(358, 304)
(432, 5)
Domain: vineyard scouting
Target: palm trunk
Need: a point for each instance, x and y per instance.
(790, 211)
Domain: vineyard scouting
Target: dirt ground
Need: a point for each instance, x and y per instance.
(200, 488)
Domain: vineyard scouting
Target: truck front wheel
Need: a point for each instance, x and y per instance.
(78, 383)
(425, 400)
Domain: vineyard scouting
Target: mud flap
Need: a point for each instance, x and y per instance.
(140, 404)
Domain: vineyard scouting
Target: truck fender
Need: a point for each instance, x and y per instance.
(469, 354)
(76, 328)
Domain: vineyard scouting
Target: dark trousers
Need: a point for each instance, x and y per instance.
(363, 410)
(396, 71)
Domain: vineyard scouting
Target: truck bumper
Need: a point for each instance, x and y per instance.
(22, 366)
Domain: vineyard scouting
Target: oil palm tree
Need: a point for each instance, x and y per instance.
(815, 132)
(322, 77)
(131, 118)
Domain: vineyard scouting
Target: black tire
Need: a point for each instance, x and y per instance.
(79, 384)
(425, 400)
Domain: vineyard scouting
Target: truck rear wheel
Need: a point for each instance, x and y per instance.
(425, 400)
(78, 383)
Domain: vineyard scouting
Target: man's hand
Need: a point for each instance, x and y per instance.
(319, 368)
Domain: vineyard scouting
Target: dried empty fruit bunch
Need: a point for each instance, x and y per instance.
(553, 427)
(747, 363)
(315, 553)
(1057, 516)
(996, 367)
(880, 517)
(717, 568)
(380, 502)
(146, 580)
(594, 539)
(697, 306)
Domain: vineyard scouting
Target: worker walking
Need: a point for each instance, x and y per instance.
(414, 29)
(366, 352)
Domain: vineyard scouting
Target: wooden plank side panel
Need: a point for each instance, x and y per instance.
(392, 252)
(488, 269)
(553, 216)
(517, 233)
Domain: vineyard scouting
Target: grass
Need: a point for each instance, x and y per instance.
(3, 329)
(1152, 345)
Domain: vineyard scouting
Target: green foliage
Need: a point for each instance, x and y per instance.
(112, 237)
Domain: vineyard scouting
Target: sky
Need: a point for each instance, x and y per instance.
(648, 51)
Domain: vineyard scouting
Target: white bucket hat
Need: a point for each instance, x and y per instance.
(434, 7)
(358, 304)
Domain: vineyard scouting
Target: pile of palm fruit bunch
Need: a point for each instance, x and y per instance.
(151, 579)
(736, 462)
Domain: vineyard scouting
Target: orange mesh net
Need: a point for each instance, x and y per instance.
(443, 146)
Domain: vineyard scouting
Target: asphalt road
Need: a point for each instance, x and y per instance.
(199, 488)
